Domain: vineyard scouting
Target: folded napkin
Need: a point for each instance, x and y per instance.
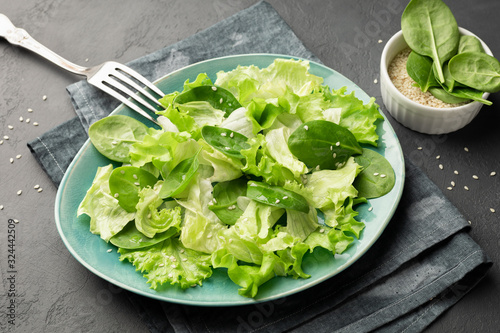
(423, 263)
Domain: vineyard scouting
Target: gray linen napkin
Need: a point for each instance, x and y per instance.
(423, 263)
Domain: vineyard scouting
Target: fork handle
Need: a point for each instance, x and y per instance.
(18, 36)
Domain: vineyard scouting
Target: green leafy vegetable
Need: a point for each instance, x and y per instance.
(226, 141)
(219, 98)
(130, 238)
(469, 44)
(225, 204)
(112, 136)
(377, 177)
(420, 69)
(476, 70)
(430, 29)
(125, 183)
(323, 143)
(276, 196)
(179, 178)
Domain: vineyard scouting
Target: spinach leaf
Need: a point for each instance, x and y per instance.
(225, 197)
(446, 97)
(323, 143)
(226, 141)
(218, 97)
(476, 70)
(430, 29)
(276, 196)
(125, 183)
(420, 69)
(469, 44)
(377, 177)
(131, 238)
(179, 178)
(112, 136)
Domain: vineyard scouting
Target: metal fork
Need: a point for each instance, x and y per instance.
(111, 77)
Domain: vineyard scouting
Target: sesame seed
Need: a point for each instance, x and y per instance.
(122, 172)
(438, 157)
(380, 41)
(16, 221)
(149, 216)
(36, 186)
(10, 127)
(370, 208)
(1, 142)
(11, 160)
(182, 251)
(44, 97)
(30, 110)
(306, 128)
(173, 266)
(231, 135)
(331, 147)
(227, 148)
(449, 188)
(285, 197)
(161, 264)
(375, 174)
(174, 259)
(475, 177)
(455, 172)
(21, 119)
(277, 201)
(322, 230)
(382, 176)
(114, 143)
(220, 100)
(466, 149)
(19, 156)
(19, 192)
(337, 144)
(492, 210)
(35, 124)
(184, 259)
(441, 166)
(317, 166)
(214, 88)
(28, 120)
(452, 183)
(110, 250)
(223, 134)
(469, 222)
(137, 184)
(5, 137)
(116, 195)
(1, 207)
(493, 173)
(466, 188)
(419, 148)
(375, 81)
(334, 155)
(135, 176)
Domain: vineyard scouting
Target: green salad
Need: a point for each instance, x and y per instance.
(246, 174)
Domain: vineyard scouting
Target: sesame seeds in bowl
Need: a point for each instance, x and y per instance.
(414, 109)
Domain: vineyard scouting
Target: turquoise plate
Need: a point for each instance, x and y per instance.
(91, 251)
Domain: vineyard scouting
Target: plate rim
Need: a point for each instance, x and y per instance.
(245, 300)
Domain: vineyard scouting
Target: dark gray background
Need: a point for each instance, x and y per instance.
(55, 293)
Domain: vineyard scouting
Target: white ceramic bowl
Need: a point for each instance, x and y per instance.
(418, 117)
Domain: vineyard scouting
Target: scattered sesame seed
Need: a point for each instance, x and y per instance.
(173, 266)
(114, 143)
(492, 210)
(475, 177)
(28, 120)
(338, 143)
(334, 155)
(277, 201)
(438, 157)
(11, 160)
(285, 197)
(370, 208)
(10, 127)
(161, 264)
(376, 174)
(449, 188)
(382, 176)
(1, 207)
(110, 250)
(220, 100)
(441, 166)
(317, 166)
(455, 172)
(227, 148)
(19, 192)
(122, 172)
(214, 88)
(116, 195)
(137, 184)
(231, 135)
(493, 173)
(86, 59)
(35, 124)
(135, 176)
(40, 190)
(223, 134)
(5, 137)
(469, 222)
(1, 142)
(452, 183)
(380, 41)
(16, 221)
(306, 128)
(466, 149)
(466, 188)
(44, 97)
(419, 148)
(36, 186)
(184, 259)
(322, 230)
(182, 251)
(19, 156)
(375, 81)
(21, 119)
(331, 147)
(30, 110)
